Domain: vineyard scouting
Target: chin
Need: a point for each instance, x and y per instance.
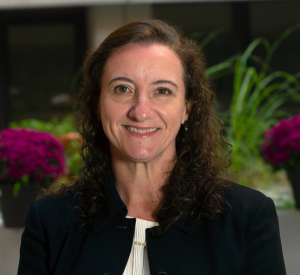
(142, 154)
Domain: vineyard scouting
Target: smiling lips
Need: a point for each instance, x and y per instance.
(140, 131)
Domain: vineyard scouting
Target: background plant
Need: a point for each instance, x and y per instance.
(56, 126)
(258, 94)
(29, 157)
(221, 69)
(282, 144)
(60, 128)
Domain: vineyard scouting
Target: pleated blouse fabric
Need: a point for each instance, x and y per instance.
(138, 263)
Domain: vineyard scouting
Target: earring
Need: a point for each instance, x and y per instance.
(98, 123)
(185, 125)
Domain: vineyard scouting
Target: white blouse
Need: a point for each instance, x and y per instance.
(138, 263)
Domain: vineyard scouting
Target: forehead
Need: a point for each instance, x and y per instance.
(144, 60)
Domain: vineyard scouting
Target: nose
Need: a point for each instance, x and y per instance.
(141, 108)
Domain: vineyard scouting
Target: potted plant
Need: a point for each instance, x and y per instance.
(63, 129)
(29, 160)
(282, 150)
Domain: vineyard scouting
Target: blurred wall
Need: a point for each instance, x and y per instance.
(102, 20)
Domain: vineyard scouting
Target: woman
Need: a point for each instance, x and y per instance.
(152, 198)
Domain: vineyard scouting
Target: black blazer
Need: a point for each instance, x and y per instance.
(244, 241)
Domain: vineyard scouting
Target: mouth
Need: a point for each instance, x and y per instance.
(140, 130)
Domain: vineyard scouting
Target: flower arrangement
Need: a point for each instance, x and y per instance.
(29, 157)
(282, 144)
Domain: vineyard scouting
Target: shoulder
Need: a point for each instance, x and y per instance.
(54, 203)
(244, 203)
(237, 194)
(54, 212)
(251, 220)
(48, 224)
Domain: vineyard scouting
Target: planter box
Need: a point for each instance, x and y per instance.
(15, 209)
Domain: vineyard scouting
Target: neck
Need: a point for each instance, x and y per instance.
(139, 185)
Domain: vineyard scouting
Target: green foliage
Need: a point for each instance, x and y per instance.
(56, 126)
(204, 38)
(73, 158)
(23, 181)
(221, 69)
(218, 70)
(258, 94)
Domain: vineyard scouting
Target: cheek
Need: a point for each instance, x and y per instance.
(106, 116)
(172, 115)
(174, 120)
(112, 113)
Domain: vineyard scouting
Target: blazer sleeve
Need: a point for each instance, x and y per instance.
(263, 245)
(34, 251)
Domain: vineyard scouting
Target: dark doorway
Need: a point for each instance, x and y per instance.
(41, 55)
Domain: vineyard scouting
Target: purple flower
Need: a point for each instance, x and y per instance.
(282, 142)
(27, 152)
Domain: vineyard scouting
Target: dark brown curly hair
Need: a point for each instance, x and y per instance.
(194, 188)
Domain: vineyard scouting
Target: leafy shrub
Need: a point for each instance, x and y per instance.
(258, 95)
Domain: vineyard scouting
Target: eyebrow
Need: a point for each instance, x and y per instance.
(162, 81)
(122, 79)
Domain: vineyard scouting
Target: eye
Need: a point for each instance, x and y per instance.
(164, 91)
(121, 89)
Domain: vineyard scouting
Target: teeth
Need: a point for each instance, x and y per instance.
(140, 131)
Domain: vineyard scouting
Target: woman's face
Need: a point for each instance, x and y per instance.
(142, 102)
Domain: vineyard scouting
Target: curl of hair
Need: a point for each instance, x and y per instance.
(195, 185)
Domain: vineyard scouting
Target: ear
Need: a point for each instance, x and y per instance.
(188, 107)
